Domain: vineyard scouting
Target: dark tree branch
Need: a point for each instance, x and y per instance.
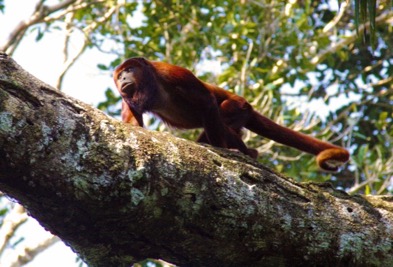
(118, 194)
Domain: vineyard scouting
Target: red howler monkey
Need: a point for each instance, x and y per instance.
(183, 101)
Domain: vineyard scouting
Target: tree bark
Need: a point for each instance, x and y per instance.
(118, 194)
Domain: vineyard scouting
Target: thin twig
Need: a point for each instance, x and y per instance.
(15, 218)
(386, 17)
(28, 253)
(38, 16)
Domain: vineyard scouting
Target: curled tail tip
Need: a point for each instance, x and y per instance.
(333, 158)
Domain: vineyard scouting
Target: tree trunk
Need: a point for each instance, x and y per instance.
(118, 194)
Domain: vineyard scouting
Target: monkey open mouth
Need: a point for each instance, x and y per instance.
(128, 88)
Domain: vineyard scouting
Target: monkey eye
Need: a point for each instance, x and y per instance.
(126, 70)
(129, 69)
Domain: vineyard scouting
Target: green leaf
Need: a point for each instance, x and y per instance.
(40, 34)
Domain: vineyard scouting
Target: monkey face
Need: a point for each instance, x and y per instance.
(129, 74)
(126, 81)
(136, 82)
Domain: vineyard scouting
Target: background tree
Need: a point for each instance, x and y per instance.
(298, 62)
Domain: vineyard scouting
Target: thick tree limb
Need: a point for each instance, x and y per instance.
(118, 194)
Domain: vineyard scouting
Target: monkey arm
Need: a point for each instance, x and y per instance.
(130, 117)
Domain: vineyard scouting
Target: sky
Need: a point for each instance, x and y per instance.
(43, 59)
(84, 82)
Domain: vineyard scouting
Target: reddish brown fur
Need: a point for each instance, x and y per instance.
(181, 100)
